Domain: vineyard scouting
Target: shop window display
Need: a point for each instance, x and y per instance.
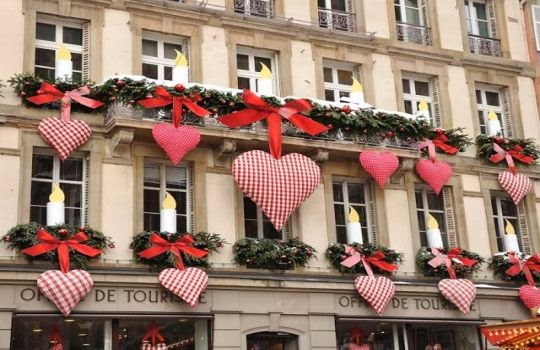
(272, 341)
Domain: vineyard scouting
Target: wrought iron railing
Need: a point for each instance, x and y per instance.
(414, 33)
(484, 46)
(258, 8)
(337, 20)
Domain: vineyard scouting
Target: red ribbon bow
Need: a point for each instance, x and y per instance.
(161, 245)
(440, 142)
(258, 109)
(164, 98)
(376, 259)
(51, 94)
(153, 335)
(55, 337)
(518, 265)
(453, 255)
(509, 155)
(49, 242)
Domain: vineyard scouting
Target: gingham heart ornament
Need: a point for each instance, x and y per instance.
(277, 186)
(516, 185)
(460, 292)
(377, 291)
(64, 136)
(187, 284)
(434, 172)
(176, 141)
(159, 346)
(379, 165)
(353, 346)
(530, 296)
(65, 290)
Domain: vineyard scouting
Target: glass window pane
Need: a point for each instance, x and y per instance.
(44, 73)
(168, 50)
(176, 177)
(250, 209)
(435, 202)
(408, 106)
(327, 72)
(492, 98)
(45, 57)
(73, 217)
(72, 35)
(338, 192)
(242, 62)
(132, 331)
(339, 214)
(413, 16)
(508, 208)
(38, 215)
(419, 201)
(71, 169)
(45, 31)
(339, 5)
(494, 205)
(269, 231)
(150, 70)
(480, 10)
(181, 201)
(76, 58)
(406, 86)
(42, 166)
(244, 83)
(478, 96)
(265, 60)
(181, 223)
(343, 94)
(329, 95)
(167, 73)
(73, 194)
(250, 228)
(483, 29)
(152, 202)
(151, 222)
(441, 220)
(397, 13)
(149, 48)
(411, 3)
(344, 77)
(421, 220)
(356, 193)
(151, 175)
(421, 88)
(76, 77)
(39, 193)
(341, 234)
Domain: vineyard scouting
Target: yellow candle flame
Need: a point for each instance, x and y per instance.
(180, 60)
(432, 222)
(356, 86)
(169, 202)
(57, 195)
(63, 53)
(509, 228)
(422, 105)
(492, 115)
(353, 215)
(265, 72)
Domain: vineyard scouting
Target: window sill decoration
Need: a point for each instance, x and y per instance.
(524, 150)
(464, 262)
(336, 252)
(502, 266)
(272, 254)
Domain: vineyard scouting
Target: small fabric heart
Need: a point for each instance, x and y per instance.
(435, 173)
(176, 142)
(65, 290)
(160, 346)
(377, 291)
(188, 284)
(64, 136)
(530, 296)
(460, 292)
(277, 186)
(57, 347)
(353, 346)
(516, 185)
(379, 165)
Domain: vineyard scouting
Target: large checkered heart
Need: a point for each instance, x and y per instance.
(435, 173)
(188, 284)
(530, 296)
(379, 165)
(277, 186)
(516, 185)
(64, 136)
(65, 290)
(460, 292)
(176, 142)
(353, 346)
(377, 291)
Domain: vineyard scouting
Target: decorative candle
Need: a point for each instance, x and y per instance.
(510, 238)
(357, 92)
(63, 66)
(423, 109)
(168, 214)
(433, 233)
(493, 124)
(56, 207)
(265, 83)
(353, 227)
(180, 72)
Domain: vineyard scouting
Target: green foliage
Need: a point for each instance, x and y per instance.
(272, 254)
(499, 263)
(484, 146)
(424, 256)
(335, 253)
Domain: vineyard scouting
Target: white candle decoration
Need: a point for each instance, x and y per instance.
(265, 84)
(423, 110)
(56, 207)
(433, 233)
(354, 228)
(180, 72)
(63, 66)
(356, 95)
(494, 127)
(168, 215)
(510, 239)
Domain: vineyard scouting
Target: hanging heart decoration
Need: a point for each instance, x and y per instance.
(65, 290)
(187, 284)
(434, 172)
(380, 165)
(460, 292)
(516, 185)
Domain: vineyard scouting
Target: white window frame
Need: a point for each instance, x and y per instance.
(346, 203)
(252, 74)
(335, 86)
(469, 4)
(501, 224)
(485, 108)
(403, 10)
(426, 210)
(160, 61)
(536, 24)
(414, 98)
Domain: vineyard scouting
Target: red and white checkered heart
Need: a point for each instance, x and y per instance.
(379, 165)
(160, 346)
(530, 296)
(460, 292)
(277, 186)
(176, 142)
(377, 291)
(65, 290)
(435, 173)
(353, 346)
(64, 137)
(188, 284)
(57, 347)
(517, 186)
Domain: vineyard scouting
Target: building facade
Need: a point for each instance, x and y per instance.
(465, 58)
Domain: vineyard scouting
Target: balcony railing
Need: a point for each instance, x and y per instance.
(484, 46)
(337, 20)
(258, 8)
(414, 33)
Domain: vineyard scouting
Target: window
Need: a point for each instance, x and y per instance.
(259, 8)
(176, 180)
(440, 207)
(417, 89)
(536, 23)
(476, 16)
(49, 36)
(257, 224)
(360, 196)
(338, 79)
(248, 64)
(505, 210)
(272, 340)
(407, 11)
(496, 100)
(72, 177)
(412, 21)
(482, 28)
(158, 54)
(337, 14)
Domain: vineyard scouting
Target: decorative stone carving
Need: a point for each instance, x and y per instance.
(120, 143)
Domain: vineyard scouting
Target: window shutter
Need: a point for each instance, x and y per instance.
(435, 105)
(186, 52)
(349, 6)
(191, 190)
(524, 228)
(86, 51)
(490, 6)
(450, 218)
(286, 232)
(85, 191)
(372, 212)
(507, 118)
(357, 73)
(424, 13)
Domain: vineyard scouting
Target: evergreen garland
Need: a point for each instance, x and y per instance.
(335, 253)
(484, 147)
(499, 263)
(272, 254)
(425, 255)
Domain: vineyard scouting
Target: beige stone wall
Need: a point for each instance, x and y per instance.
(117, 38)
(11, 61)
(448, 16)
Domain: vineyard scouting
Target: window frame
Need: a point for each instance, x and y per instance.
(536, 24)
(160, 61)
(252, 74)
(445, 234)
(335, 86)
(415, 98)
(485, 108)
(500, 217)
(474, 18)
(403, 12)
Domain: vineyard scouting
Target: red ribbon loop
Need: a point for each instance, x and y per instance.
(164, 98)
(161, 246)
(153, 335)
(431, 148)
(440, 141)
(441, 258)
(377, 259)
(49, 242)
(518, 265)
(509, 156)
(257, 109)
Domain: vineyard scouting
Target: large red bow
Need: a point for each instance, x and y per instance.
(164, 98)
(447, 259)
(509, 155)
(153, 336)
(518, 265)
(258, 109)
(49, 242)
(161, 245)
(440, 142)
(51, 94)
(377, 259)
